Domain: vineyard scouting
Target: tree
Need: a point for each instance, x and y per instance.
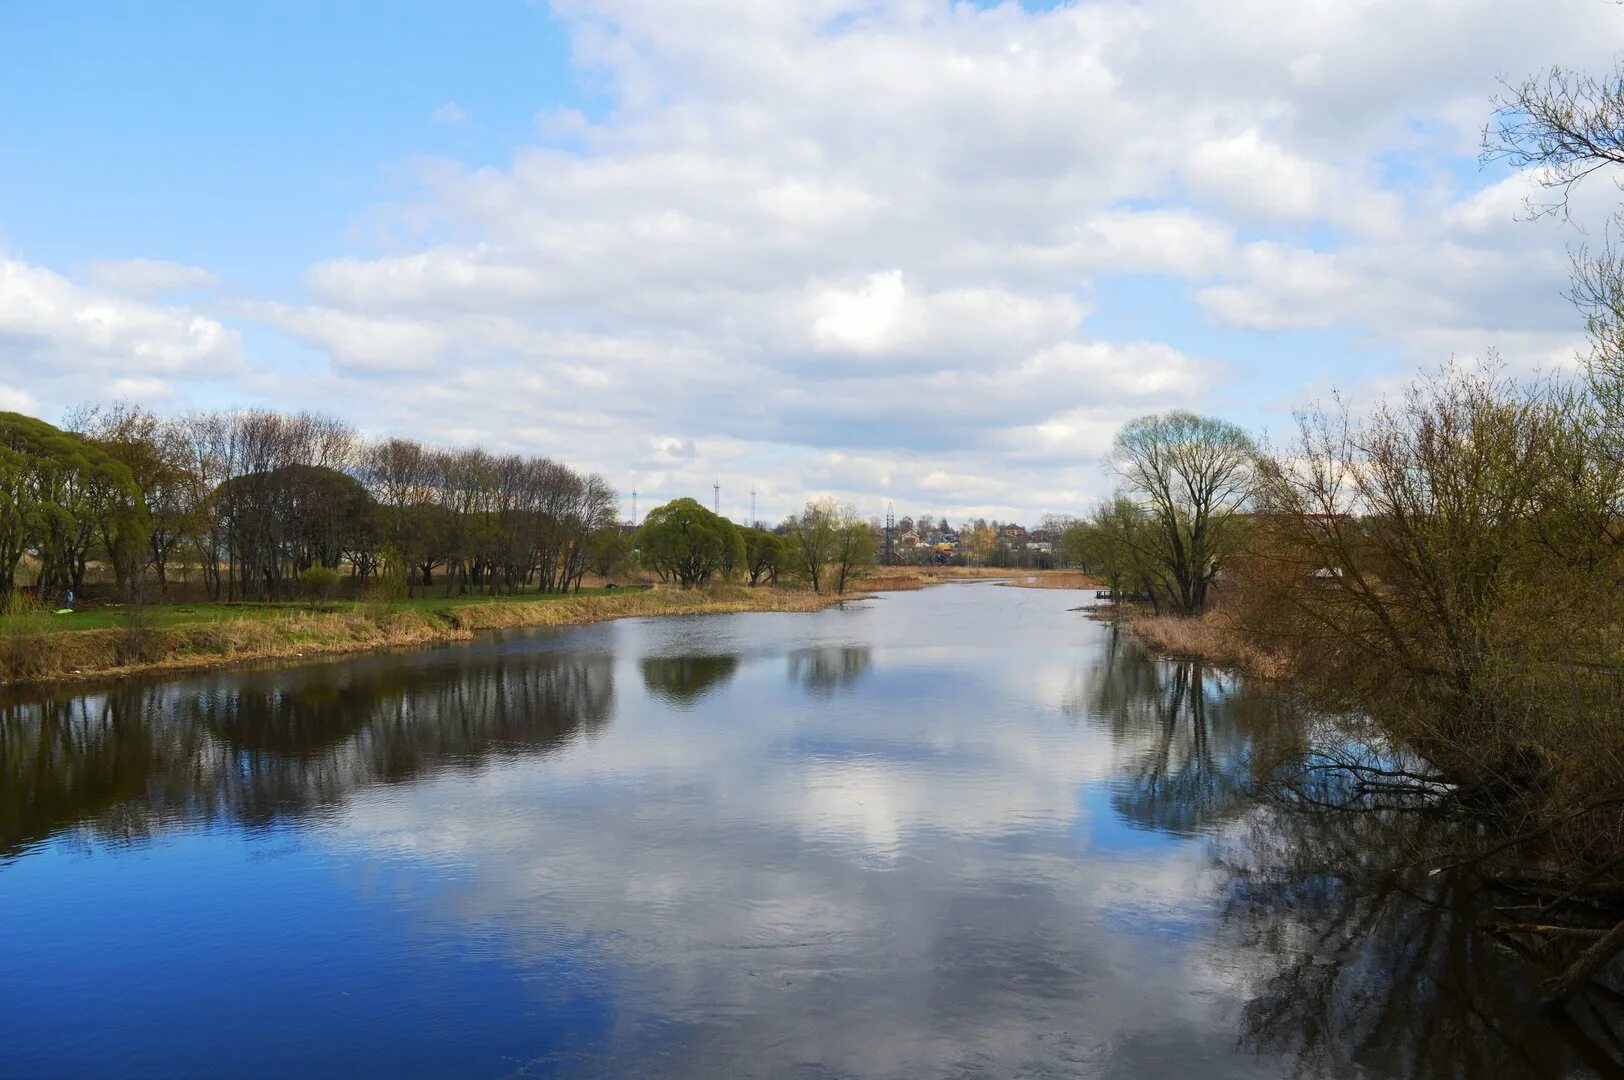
(63, 495)
(1115, 543)
(853, 548)
(611, 550)
(764, 555)
(1452, 564)
(1067, 534)
(1563, 127)
(155, 452)
(282, 521)
(977, 541)
(425, 531)
(684, 542)
(1192, 475)
(813, 537)
(397, 473)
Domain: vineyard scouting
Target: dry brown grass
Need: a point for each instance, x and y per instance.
(1213, 637)
(1051, 579)
(83, 654)
(899, 578)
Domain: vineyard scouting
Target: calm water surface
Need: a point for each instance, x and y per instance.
(959, 832)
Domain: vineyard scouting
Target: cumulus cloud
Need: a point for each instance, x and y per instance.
(900, 233)
(63, 341)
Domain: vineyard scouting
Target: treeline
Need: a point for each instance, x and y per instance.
(265, 506)
(825, 546)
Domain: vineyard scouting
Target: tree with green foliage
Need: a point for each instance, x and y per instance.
(285, 520)
(813, 535)
(1116, 543)
(17, 514)
(63, 495)
(609, 550)
(853, 550)
(686, 543)
(1192, 475)
(156, 452)
(426, 531)
(764, 555)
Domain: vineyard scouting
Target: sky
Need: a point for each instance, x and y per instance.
(902, 252)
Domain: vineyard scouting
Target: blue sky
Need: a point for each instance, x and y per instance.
(891, 250)
(248, 138)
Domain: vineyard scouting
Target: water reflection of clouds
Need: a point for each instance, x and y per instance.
(927, 837)
(922, 893)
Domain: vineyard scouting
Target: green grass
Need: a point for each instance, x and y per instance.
(103, 618)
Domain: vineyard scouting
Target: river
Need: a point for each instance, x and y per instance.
(966, 831)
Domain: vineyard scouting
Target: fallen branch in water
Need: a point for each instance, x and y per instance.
(1592, 960)
(1532, 834)
(1544, 928)
(1592, 883)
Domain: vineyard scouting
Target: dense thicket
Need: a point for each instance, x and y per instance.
(254, 501)
(1453, 563)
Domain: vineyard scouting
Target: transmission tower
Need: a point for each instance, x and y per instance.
(634, 507)
(752, 508)
(890, 535)
(716, 499)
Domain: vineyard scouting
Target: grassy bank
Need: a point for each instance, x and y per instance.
(31, 653)
(1213, 638)
(903, 578)
(1050, 579)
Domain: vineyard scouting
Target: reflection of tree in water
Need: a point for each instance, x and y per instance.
(1192, 737)
(1357, 966)
(823, 669)
(1363, 968)
(683, 680)
(252, 747)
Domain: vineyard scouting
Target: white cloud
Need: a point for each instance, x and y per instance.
(54, 331)
(357, 342)
(146, 277)
(16, 399)
(822, 242)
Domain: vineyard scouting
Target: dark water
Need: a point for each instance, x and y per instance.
(961, 832)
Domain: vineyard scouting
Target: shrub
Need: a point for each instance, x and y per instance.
(319, 583)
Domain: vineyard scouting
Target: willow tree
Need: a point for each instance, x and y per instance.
(685, 543)
(1116, 542)
(157, 453)
(61, 495)
(1192, 475)
(764, 555)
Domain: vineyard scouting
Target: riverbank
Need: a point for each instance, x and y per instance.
(908, 578)
(1212, 638)
(138, 647)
